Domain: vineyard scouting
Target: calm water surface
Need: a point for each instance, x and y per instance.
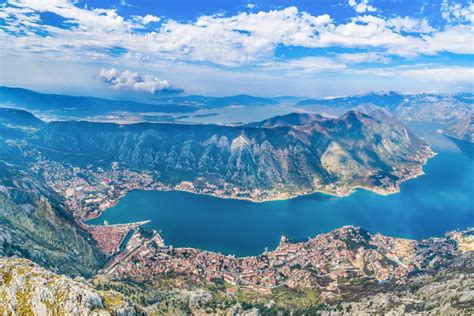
(429, 205)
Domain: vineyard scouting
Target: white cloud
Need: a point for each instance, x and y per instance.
(134, 81)
(423, 73)
(457, 39)
(410, 25)
(370, 57)
(249, 39)
(457, 13)
(147, 19)
(362, 6)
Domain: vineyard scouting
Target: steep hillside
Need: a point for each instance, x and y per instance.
(34, 225)
(298, 154)
(33, 220)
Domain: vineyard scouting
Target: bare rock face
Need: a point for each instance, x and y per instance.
(26, 288)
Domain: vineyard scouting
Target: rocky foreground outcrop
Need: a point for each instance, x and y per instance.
(28, 289)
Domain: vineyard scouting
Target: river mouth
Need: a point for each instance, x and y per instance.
(430, 205)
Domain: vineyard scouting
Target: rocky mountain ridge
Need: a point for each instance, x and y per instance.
(258, 162)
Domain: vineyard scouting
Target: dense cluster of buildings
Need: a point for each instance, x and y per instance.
(89, 190)
(326, 261)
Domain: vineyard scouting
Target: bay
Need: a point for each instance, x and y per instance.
(430, 205)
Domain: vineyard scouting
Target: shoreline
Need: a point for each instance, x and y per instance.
(348, 192)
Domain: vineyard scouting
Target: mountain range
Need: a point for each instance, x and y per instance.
(57, 105)
(276, 158)
(425, 107)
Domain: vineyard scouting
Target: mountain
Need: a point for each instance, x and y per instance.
(292, 119)
(463, 128)
(65, 106)
(34, 223)
(79, 106)
(425, 107)
(386, 100)
(18, 118)
(44, 164)
(278, 158)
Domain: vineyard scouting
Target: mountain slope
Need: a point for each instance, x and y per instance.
(33, 220)
(463, 128)
(253, 162)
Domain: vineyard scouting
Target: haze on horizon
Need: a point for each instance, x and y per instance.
(303, 48)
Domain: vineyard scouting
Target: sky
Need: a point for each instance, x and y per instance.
(311, 48)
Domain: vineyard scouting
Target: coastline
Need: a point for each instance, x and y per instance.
(284, 197)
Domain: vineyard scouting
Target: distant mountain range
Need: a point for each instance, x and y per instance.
(83, 106)
(424, 107)
(216, 102)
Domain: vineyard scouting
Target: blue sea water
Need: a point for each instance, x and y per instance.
(430, 205)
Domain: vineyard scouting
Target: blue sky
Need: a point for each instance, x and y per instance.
(306, 48)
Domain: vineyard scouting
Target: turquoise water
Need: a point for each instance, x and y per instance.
(429, 205)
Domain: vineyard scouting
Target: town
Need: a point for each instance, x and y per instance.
(327, 262)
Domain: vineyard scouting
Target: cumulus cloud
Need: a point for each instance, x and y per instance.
(134, 81)
(410, 25)
(362, 6)
(147, 19)
(244, 39)
(241, 39)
